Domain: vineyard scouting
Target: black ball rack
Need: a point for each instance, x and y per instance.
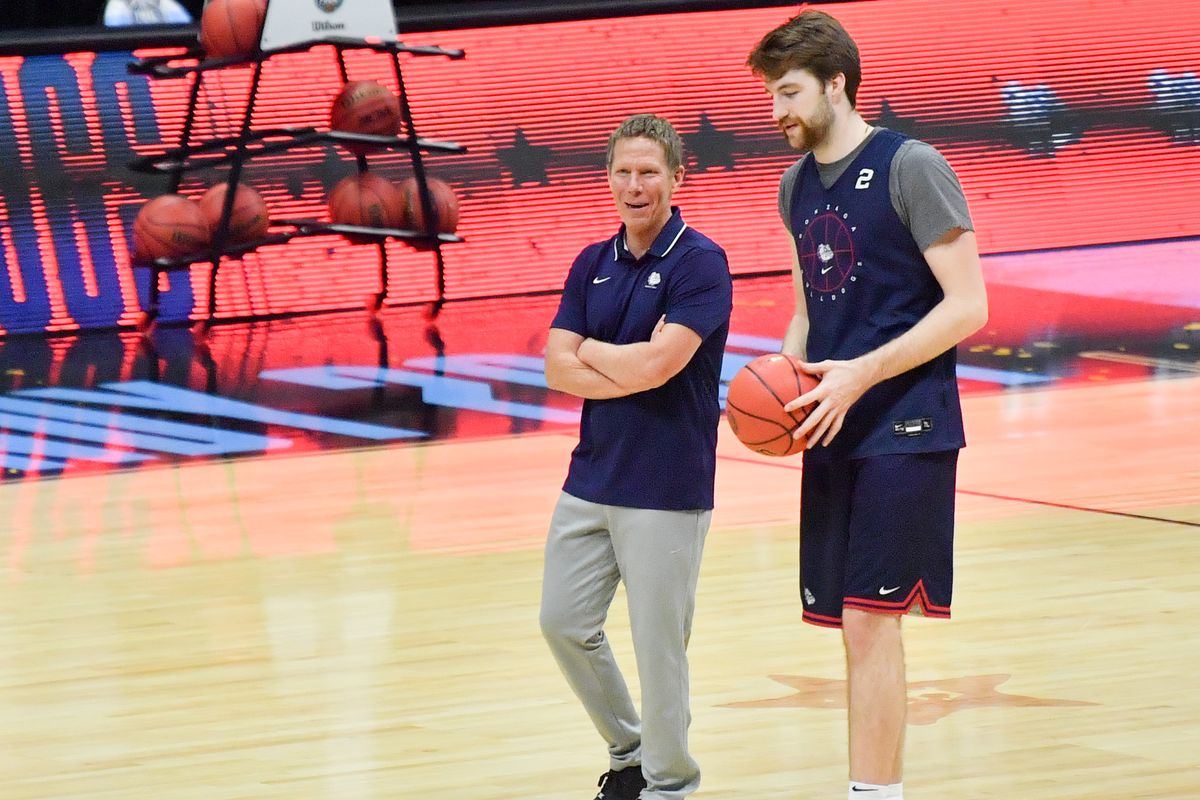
(234, 151)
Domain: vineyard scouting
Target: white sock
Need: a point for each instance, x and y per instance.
(875, 791)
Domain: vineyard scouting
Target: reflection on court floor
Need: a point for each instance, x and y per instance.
(106, 401)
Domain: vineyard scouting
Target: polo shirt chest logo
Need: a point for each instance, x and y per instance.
(653, 281)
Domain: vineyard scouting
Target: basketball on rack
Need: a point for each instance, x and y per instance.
(167, 227)
(249, 218)
(365, 107)
(443, 199)
(232, 27)
(367, 199)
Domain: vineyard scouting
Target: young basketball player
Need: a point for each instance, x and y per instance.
(887, 281)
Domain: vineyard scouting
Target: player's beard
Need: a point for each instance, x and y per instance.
(812, 131)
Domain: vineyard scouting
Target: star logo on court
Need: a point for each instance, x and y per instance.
(711, 147)
(928, 701)
(525, 161)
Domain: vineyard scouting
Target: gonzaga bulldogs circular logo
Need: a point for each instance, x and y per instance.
(329, 6)
(827, 253)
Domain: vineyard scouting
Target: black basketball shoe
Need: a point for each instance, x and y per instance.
(625, 784)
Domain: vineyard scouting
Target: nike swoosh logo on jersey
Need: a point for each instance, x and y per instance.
(884, 590)
(601, 280)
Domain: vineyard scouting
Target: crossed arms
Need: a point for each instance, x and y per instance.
(598, 370)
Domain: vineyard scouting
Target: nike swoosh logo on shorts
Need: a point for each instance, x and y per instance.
(601, 280)
(826, 269)
(884, 590)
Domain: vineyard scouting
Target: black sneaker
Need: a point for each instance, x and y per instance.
(624, 784)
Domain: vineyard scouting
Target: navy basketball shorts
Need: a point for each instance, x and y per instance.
(877, 534)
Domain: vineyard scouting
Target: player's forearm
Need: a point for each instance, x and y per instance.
(947, 324)
(636, 366)
(566, 373)
(795, 339)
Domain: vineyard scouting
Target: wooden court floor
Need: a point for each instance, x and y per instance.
(363, 624)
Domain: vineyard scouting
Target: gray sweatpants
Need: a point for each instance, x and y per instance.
(591, 548)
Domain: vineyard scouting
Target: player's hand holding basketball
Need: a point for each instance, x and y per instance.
(755, 404)
(841, 384)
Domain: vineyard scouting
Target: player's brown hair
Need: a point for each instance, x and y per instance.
(813, 41)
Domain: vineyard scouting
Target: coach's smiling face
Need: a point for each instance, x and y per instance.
(642, 185)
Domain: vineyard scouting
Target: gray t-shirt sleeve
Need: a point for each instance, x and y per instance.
(787, 186)
(926, 193)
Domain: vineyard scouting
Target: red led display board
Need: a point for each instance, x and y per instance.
(1070, 123)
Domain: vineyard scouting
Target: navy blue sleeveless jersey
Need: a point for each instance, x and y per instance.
(866, 283)
(654, 449)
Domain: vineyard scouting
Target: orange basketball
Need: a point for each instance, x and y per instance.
(367, 199)
(365, 107)
(248, 219)
(232, 27)
(167, 227)
(445, 205)
(757, 395)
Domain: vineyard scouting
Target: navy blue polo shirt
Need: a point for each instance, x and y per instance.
(653, 449)
(866, 282)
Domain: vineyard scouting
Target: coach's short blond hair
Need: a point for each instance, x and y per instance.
(656, 129)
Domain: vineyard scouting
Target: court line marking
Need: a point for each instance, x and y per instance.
(1142, 361)
(993, 496)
